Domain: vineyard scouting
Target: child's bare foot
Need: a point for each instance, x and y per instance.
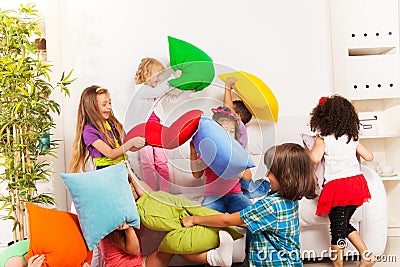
(367, 260)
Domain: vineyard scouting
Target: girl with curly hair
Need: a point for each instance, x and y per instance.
(336, 122)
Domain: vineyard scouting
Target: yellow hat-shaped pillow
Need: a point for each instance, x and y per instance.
(256, 95)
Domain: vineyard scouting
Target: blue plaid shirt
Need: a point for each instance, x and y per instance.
(274, 225)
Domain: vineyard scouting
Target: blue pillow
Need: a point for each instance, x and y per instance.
(222, 153)
(103, 200)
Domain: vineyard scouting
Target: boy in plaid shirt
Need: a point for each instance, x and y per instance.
(273, 221)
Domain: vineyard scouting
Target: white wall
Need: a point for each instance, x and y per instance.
(285, 43)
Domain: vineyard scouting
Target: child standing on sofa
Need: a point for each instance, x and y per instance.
(98, 133)
(148, 89)
(251, 189)
(223, 195)
(336, 122)
(273, 220)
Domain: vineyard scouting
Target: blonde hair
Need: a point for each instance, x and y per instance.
(147, 68)
(88, 113)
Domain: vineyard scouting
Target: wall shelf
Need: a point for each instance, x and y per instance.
(380, 136)
(370, 51)
(393, 178)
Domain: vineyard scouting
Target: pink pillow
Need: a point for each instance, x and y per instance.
(309, 142)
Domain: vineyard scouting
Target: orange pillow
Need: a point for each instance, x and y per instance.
(56, 234)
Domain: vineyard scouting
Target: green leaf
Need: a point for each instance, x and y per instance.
(17, 107)
(5, 205)
(23, 90)
(20, 61)
(4, 127)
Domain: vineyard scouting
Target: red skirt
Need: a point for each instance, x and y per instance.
(343, 192)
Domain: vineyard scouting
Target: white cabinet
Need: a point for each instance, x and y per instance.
(366, 64)
(386, 148)
(365, 47)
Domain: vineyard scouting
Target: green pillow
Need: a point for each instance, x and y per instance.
(197, 67)
(161, 211)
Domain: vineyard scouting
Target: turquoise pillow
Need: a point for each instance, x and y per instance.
(222, 153)
(197, 67)
(103, 200)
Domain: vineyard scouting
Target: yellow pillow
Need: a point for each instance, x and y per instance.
(256, 95)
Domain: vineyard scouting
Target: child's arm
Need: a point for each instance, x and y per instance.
(114, 153)
(229, 83)
(196, 165)
(132, 244)
(146, 91)
(138, 186)
(246, 175)
(219, 220)
(318, 150)
(364, 152)
(126, 240)
(36, 260)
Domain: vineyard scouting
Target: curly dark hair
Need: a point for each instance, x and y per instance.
(337, 116)
(241, 109)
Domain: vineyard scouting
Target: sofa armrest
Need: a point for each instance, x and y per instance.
(373, 227)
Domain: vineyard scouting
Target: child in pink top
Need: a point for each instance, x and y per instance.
(223, 195)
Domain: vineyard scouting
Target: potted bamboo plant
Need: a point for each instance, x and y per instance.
(26, 115)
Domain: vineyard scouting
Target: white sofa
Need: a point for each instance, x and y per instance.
(370, 219)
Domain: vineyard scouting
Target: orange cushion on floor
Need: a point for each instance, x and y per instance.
(56, 234)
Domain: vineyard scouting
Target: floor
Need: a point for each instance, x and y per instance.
(390, 258)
